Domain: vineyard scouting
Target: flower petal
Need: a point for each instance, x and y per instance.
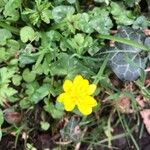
(91, 101)
(92, 89)
(69, 105)
(67, 85)
(62, 97)
(87, 101)
(85, 110)
(78, 79)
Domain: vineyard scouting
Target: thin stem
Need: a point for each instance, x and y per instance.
(77, 5)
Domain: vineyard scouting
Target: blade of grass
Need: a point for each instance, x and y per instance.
(126, 128)
(124, 41)
(98, 77)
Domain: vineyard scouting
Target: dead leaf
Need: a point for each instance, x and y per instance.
(145, 114)
(147, 32)
(12, 117)
(140, 101)
(124, 104)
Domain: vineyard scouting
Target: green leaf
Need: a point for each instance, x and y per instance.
(1, 117)
(4, 54)
(46, 15)
(53, 35)
(10, 11)
(80, 43)
(40, 93)
(56, 111)
(100, 21)
(27, 34)
(45, 125)
(26, 56)
(13, 46)
(71, 1)
(4, 36)
(60, 12)
(140, 23)
(6, 92)
(28, 76)
(122, 16)
(1, 122)
(40, 12)
(131, 3)
(83, 23)
(25, 103)
(69, 66)
(16, 79)
(102, 1)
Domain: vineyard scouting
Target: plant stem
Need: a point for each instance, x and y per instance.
(77, 5)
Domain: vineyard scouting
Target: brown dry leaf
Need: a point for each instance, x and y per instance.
(145, 114)
(147, 32)
(112, 43)
(124, 105)
(140, 101)
(147, 69)
(147, 83)
(12, 117)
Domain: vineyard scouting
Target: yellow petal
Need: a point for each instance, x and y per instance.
(62, 97)
(91, 101)
(69, 105)
(78, 79)
(87, 101)
(92, 89)
(85, 110)
(67, 85)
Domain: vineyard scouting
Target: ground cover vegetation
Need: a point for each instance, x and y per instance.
(74, 74)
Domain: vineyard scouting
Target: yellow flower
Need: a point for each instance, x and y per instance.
(78, 93)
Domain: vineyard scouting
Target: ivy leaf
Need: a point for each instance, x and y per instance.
(27, 33)
(60, 12)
